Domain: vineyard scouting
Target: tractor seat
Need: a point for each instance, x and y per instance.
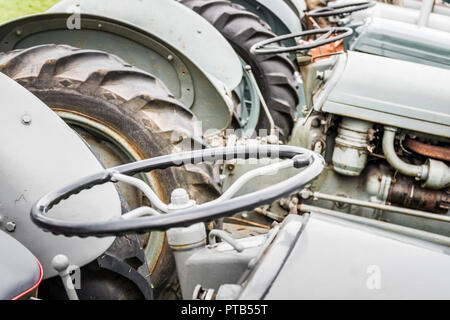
(20, 271)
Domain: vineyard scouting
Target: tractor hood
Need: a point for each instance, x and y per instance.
(404, 41)
(387, 91)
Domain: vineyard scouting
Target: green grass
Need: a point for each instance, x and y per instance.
(10, 9)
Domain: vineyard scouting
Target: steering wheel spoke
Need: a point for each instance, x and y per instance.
(146, 219)
(340, 10)
(326, 37)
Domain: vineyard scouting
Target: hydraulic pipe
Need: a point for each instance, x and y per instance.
(378, 206)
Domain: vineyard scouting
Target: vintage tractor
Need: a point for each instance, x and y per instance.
(362, 166)
(417, 33)
(386, 140)
(126, 113)
(385, 30)
(322, 254)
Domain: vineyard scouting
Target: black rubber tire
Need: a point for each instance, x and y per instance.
(274, 73)
(130, 101)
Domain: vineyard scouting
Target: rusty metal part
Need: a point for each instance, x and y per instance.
(411, 195)
(320, 22)
(435, 152)
(269, 214)
(327, 50)
(326, 55)
(306, 194)
(248, 222)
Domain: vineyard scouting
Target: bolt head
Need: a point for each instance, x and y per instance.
(10, 226)
(179, 197)
(26, 119)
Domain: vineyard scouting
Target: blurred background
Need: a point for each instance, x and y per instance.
(10, 9)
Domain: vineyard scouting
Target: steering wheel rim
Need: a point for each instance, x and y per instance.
(302, 158)
(340, 10)
(260, 47)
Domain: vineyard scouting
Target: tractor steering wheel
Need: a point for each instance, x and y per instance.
(340, 10)
(340, 33)
(311, 164)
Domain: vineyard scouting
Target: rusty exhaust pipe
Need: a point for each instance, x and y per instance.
(435, 152)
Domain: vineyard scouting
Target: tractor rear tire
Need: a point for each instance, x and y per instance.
(273, 72)
(132, 103)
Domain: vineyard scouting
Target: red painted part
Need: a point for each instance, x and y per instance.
(41, 275)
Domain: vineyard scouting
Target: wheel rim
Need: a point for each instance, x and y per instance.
(112, 149)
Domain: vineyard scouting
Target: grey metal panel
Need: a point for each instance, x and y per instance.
(399, 93)
(182, 28)
(19, 270)
(416, 4)
(282, 16)
(43, 156)
(266, 270)
(337, 259)
(400, 40)
(300, 5)
(284, 13)
(409, 15)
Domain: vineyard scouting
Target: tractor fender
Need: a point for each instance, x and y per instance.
(177, 25)
(298, 5)
(284, 12)
(284, 15)
(40, 153)
(208, 97)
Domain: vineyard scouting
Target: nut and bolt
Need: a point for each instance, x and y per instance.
(315, 123)
(10, 226)
(230, 167)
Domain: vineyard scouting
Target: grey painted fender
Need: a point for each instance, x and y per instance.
(208, 97)
(40, 153)
(287, 14)
(177, 25)
(299, 5)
